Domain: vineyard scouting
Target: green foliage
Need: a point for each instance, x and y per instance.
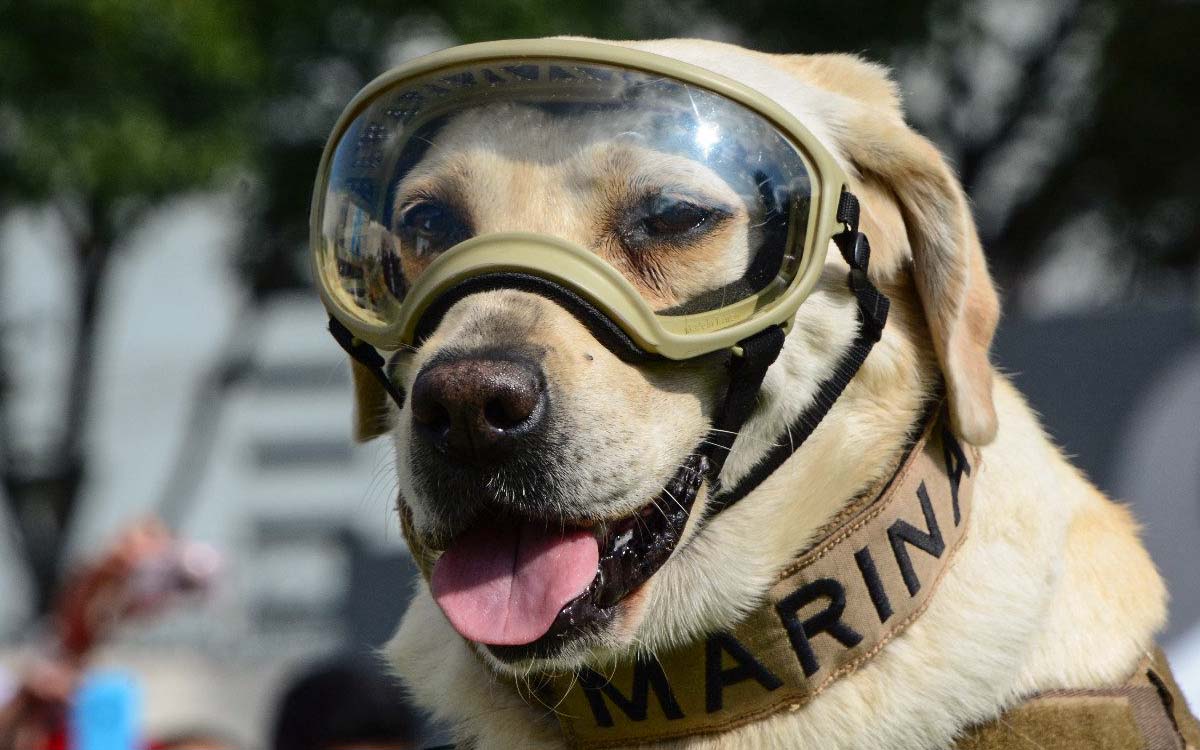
(111, 101)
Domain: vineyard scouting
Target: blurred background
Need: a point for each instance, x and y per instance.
(161, 350)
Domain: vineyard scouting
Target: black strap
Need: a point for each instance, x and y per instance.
(847, 210)
(746, 373)
(368, 357)
(612, 336)
(872, 315)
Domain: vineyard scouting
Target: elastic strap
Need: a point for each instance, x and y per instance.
(872, 316)
(608, 333)
(746, 373)
(365, 355)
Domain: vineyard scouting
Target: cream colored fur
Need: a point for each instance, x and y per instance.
(1052, 588)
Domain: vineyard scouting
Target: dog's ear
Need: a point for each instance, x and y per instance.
(372, 417)
(949, 268)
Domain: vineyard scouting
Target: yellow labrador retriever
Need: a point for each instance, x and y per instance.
(1048, 589)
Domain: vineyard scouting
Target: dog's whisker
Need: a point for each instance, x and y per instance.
(644, 650)
(745, 437)
(659, 508)
(716, 445)
(1019, 734)
(674, 499)
(642, 522)
(570, 686)
(382, 474)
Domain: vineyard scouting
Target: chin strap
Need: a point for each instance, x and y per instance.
(760, 350)
(746, 372)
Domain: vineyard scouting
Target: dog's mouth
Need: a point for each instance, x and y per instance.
(527, 587)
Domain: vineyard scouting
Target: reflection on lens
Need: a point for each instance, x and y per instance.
(695, 199)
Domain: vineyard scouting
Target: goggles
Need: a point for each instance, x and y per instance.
(688, 210)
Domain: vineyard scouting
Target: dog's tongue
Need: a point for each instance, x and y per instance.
(504, 584)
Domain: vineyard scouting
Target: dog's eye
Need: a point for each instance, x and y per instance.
(431, 226)
(667, 220)
(669, 217)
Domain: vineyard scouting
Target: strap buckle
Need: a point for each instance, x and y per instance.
(856, 250)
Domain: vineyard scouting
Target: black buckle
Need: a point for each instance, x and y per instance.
(856, 249)
(872, 304)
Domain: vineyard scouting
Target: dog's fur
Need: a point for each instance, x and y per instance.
(1052, 588)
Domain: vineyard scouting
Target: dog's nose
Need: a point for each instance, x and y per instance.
(478, 408)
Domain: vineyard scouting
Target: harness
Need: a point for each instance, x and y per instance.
(1147, 712)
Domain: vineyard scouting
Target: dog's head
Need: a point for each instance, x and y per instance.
(527, 442)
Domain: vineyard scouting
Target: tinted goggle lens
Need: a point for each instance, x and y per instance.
(698, 201)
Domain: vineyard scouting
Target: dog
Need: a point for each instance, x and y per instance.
(1050, 589)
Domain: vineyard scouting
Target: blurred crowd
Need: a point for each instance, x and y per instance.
(57, 700)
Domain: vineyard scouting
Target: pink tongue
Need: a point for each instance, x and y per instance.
(504, 585)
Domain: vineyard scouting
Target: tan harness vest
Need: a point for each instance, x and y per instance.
(872, 574)
(1148, 712)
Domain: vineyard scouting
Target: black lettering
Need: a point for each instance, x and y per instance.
(594, 74)
(879, 597)
(956, 466)
(491, 76)
(647, 675)
(405, 105)
(525, 72)
(559, 73)
(717, 679)
(458, 80)
(902, 532)
(828, 620)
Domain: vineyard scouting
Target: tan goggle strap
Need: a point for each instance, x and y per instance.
(601, 326)
(830, 612)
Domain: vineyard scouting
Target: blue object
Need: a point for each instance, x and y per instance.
(106, 712)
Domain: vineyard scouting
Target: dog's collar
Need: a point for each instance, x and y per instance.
(836, 606)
